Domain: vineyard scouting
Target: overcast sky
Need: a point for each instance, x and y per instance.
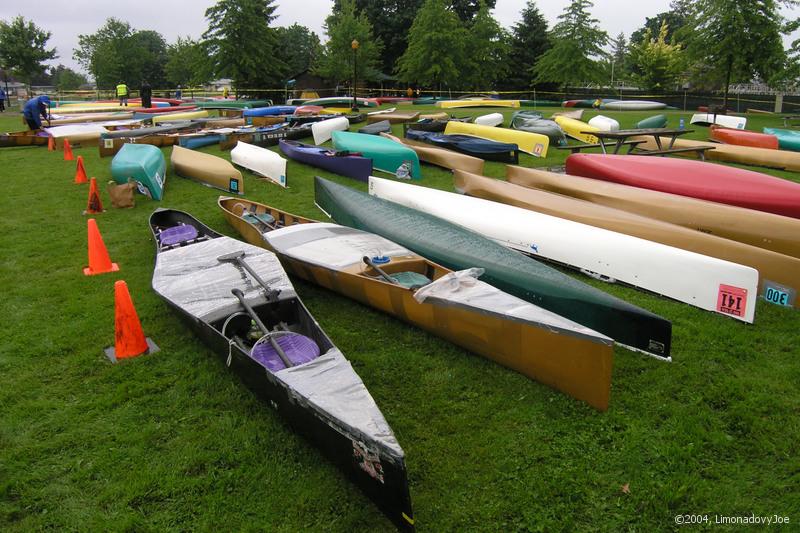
(67, 19)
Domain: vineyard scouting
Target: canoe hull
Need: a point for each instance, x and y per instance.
(531, 143)
(352, 166)
(207, 169)
(743, 137)
(261, 161)
(144, 164)
(386, 155)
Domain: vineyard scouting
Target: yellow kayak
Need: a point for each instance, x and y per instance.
(532, 143)
(335, 111)
(450, 104)
(573, 128)
(170, 117)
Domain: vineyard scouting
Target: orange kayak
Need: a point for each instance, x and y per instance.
(743, 137)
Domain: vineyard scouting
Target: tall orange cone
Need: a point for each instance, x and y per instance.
(99, 260)
(129, 339)
(93, 204)
(80, 171)
(51, 144)
(68, 151)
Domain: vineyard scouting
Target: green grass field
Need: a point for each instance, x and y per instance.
(173, 441)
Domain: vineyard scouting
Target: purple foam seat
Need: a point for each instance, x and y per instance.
(298, 348)
(177, 235)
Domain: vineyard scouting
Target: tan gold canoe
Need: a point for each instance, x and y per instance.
(267, 121)
(207, 169)
(393, 118)
(481, 319)
(756, 228)
(109, 147)
(440, 156)
(731, 153)
(22, 138)
(776, 271)
(435, 116)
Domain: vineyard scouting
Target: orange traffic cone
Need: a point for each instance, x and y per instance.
(93, 205)
(68, 151)
(51, 144)
(129, 339)
(99, 260)
(80, 171)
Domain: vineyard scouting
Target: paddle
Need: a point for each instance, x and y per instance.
(380, 271)
(236, 257)
(240, 295)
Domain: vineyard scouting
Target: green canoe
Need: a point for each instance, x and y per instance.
(145, 164)
(457, 248)
(656, 121)
(787, 139)
(386, 154)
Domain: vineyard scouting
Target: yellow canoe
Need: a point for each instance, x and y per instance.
(170, 117)
(532, 143)
(207, 169)
(732, 153)
(451, 104)
(335, 111)
(573, 128)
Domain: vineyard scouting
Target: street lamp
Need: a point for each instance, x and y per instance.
(354, 45)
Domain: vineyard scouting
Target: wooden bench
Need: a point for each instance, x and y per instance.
(788, 119)
(701, 151)
(575, 148)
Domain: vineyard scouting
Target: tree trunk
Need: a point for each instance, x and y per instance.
(727, 83)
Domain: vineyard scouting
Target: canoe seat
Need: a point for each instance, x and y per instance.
(256, 218)
(177, 235)
(410, 279)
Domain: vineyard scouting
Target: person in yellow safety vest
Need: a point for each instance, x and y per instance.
(225, 92)
(122, 93)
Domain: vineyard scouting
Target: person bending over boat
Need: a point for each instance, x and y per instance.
(35, 109)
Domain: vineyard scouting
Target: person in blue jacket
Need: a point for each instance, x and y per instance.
(2, 100)
(35, 109)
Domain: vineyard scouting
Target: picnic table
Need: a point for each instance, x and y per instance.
(620, 137)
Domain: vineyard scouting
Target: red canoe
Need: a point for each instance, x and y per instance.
(696, 179)
(308, 110)
(743, 137)
(170, 109)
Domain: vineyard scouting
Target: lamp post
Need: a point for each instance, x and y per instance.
(354, 45)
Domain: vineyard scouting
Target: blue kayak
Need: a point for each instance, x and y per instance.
(269, 111)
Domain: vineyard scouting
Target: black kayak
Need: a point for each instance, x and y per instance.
(467, 144)
(239, 301)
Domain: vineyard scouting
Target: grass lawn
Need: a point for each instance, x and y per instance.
(173, 441)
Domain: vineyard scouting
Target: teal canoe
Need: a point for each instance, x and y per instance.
(656, 121)
(143, 163)
(386, 154)
(787, 139)
(458, 248)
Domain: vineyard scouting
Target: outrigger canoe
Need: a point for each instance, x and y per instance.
(208, 169)
(239, 301)
(531, 143)
(387, 156)
(455, 306)
(756, 228)
(457, 248)
(706, 181)
(261, 161)
(685, 276)
(345, 163)
(774, 269)
(145, 165)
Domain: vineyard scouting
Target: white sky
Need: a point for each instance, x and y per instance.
(67, 19)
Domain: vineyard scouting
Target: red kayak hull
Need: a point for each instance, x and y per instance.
(743, 137)
(696, 179)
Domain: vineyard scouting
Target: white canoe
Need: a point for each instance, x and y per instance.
(632, 105)
(728, 121)
(262, 161)
(383, 111)
(323, 129)
(492, 119)
(603, 123)
(706, 282)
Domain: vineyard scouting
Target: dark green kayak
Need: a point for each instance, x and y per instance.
(457, 248)
(656, 121)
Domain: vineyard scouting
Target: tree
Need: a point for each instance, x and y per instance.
(577, 40)
(342, 27)
(117, 52)
(187, 63)
(528, 42)
(23, 48)
(487, 49)
(619, 56)
(300, 48)
(66, 79)
(242, 45)
(657, 64)
(738, 40)
(436, 52)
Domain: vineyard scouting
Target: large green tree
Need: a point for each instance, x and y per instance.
(657, 63)
(299, 48)
(487, 50)
(66, 79)
(437, 47)
(117, 52)
(735, 41)
(528, 42)
(23, 48)
(242, 45)
(187, 63)
(577, 45)
(343, 26)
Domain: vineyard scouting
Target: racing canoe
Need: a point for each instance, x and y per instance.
(531, 143)
(145, 165)
(458, 248)
(208, 169)
(439, 156)
(476, 316)
(467, 144)
(222, 287)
